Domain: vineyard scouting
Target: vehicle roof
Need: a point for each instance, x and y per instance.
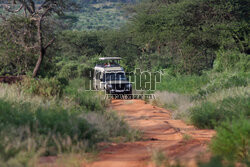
(110, 69)
(110, 58)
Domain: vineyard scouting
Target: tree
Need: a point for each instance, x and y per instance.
(187, 34)
(37, 13)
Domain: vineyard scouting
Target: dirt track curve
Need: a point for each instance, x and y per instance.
(160, 132)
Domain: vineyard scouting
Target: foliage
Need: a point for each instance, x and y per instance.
(41, 126)
(47, 87)
(19, 148)
(52, 123)
(225, 80)
(44, 121)
(14, 57)
(209, 115)
(182, 84)
(202, 45)
(183, 36)
(188, 33)
(87, 100)
(232, 140)
(215, 161)
(232, 60)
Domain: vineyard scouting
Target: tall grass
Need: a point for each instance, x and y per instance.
(69, 124)
(210, 115)
(219, 81)
(182, 84)
(179, 104)
(214, 100)
(206, 100)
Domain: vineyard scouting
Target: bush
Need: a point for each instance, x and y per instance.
(208, 114)
(67, 70)
(232, 140)
(56, 125)
(48, 87)
(231, 60)
(87, 100)
(179, 104)
(61, 128)
(109, 126)
(214, 162)
(223, 81)
(182, 84)
(45, 120)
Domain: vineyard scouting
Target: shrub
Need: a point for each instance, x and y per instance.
(46, 121)
(44, 87)
(232, 140)
(18, 147)
(231, 60)
(223, 81)
(109, 126)
(208, 114)
(86, 100)
(179, 104)
(65, 125)
(182, 84)
(214, 162)
(67, 70)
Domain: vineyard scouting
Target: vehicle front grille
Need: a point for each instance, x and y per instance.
(118, 86)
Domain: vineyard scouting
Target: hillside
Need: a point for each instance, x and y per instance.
(98, 15)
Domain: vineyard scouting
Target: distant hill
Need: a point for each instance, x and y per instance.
(97, 14)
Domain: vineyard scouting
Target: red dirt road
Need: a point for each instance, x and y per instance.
(160, 133)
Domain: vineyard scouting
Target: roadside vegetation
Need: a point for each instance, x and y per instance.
(37, 123)
(201, 46)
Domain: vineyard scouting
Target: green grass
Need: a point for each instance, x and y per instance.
(32, 125)
(182, 84)
(209, 115)
(225, 80)
(215, 100)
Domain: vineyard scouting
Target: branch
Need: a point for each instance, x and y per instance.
(8, 8)
(50, 43)
(21, 42)
(26, 6)
(44, 14)
(2, 17)
(32, 6)
(42, 5)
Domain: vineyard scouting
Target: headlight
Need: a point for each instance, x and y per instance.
(109, 86)
(128, 86)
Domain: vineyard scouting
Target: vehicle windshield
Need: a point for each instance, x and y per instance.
(115, 77)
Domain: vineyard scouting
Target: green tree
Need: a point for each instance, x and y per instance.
(188, 33)
(37, 14)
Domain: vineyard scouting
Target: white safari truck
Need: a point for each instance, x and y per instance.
(110, 76)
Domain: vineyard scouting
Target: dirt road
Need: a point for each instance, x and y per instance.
(177, 140)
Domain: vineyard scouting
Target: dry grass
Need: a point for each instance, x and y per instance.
(179, 104)
(14, 93)
(231, 92)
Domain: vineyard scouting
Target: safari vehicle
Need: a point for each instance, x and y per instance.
(110, 76)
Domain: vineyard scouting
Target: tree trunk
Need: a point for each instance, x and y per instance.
(39, 62)
(41, 48)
